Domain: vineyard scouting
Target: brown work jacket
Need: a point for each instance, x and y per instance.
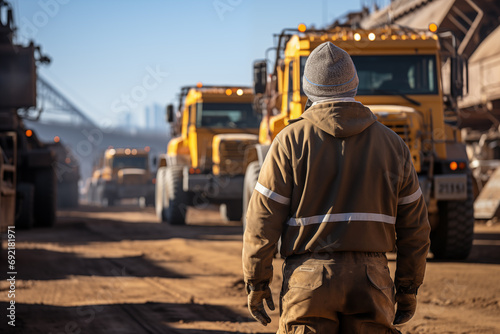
(337, 180)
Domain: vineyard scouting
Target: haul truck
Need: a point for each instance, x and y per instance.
(122, 173)
(204, 162)
(27, 176)
(401, 81)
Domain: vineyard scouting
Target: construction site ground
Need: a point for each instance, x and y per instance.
(118, 270)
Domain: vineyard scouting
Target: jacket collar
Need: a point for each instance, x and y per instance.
(336, 99)
(340, 119)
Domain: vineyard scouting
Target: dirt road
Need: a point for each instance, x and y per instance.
(119, 271)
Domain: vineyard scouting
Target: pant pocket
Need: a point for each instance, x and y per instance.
(380, 278)
(306, 276)
(302, 296)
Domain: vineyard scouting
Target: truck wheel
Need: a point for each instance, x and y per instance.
(107, 201)
(161, 200)
(96, 196)
(452, 238)
(67, 194)
(24, 206)
(45, 197)
(177, 198)
(74, 195)
(251, 176)
(150, 199)
(231, 211)
(91, 195)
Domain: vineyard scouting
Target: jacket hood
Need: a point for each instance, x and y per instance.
(340, 119)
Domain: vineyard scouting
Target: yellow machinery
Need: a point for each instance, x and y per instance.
(205, 161)
(401, 80)
(122, 173)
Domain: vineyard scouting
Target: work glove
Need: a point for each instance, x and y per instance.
(406, 306)
(256, 296)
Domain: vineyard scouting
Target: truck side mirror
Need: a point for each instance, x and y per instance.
(457, 76)
(170, 113)
(259, 76)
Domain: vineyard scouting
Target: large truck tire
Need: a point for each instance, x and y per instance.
(107, 201)
(91, 195)
(231, 211)
(45, 197)
(25, 206)
(95, 195)
(67, 194)
(105, 198)
(161, 199)
(150, 199)
(178, 199)
(98, 195)
(251, 176)
(74, 194)
(452, 238)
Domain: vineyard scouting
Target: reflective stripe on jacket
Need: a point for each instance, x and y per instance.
(337, 180)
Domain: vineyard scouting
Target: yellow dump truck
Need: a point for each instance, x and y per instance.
(401, 80)
(212, 128)
(122, 173)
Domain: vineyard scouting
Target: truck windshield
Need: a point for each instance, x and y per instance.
(130, 161)
(227, 115)
(392, 75)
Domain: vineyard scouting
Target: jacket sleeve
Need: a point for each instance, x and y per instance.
(412, 229)
(267, 214)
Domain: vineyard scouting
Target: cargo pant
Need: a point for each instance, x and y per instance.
(339, 292)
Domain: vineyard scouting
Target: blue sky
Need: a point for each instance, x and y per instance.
(109, 56)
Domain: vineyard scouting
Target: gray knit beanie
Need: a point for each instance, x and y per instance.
(329, 73)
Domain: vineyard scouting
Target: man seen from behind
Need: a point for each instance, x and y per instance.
(340, 190)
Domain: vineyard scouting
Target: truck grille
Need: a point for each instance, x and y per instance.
(231, 153)
(408, 127)
(132, 179)
(132, 176)
(401, 128)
